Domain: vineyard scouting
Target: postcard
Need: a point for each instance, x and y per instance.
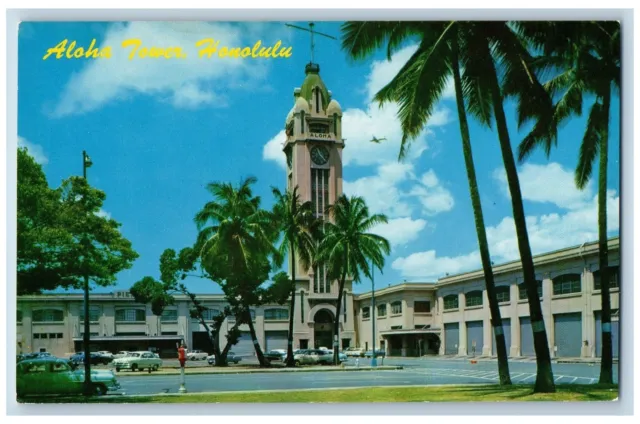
(343, 212)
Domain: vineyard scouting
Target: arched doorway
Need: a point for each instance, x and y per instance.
(323, 329)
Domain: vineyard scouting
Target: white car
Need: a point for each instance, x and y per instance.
(197, 355)
(354, 351)
(138, 361)
(120, 354)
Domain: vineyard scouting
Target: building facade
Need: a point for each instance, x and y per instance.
(448, 317)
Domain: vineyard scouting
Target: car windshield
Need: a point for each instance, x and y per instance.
(135, 355)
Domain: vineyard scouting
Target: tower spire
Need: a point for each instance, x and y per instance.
(312, 32)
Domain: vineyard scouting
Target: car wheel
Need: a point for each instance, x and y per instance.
(154, 368)
(99, 390)
(117, 369)
(134, 367)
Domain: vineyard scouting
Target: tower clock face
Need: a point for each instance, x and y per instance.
(319, 155)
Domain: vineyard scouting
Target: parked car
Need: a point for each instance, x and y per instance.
(197, 355)
(231, 357)
(276, 355)
(379, 353)
(106, 355)
(341, 356)
(138, 361)
(313, 357)
(121, 354)
(354, 352)
(95, 359)
(54, 376)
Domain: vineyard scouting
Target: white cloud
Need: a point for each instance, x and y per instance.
(546, 232)
(400, 231)
(273, 150)
(548, 183)
(383, 71)
(427, 265)
(35, 150)
(384, 193)
(189, 82)
(554, 231)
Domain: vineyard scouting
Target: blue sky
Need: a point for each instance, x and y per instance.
(159, 130)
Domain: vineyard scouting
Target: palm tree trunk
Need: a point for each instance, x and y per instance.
(290, 362)
(254, 338)
(606, 365)
(544, 378)
(336, 323)
(214, 336)
(227, 347)
(496, 319)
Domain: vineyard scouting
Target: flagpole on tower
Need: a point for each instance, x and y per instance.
(312, 32)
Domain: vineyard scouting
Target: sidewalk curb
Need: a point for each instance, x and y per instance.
(175, 371)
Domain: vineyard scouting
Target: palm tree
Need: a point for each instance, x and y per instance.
(585, 57)
(347, 248)
(444, 48)
(237, 244)
(299, 228)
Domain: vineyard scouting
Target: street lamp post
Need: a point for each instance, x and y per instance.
(86, 337)
(374, 362)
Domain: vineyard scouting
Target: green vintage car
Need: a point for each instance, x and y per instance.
(54, 376)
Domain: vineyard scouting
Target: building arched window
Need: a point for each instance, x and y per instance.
(276, 314)
(131, 315)
(382, 310)
(473, 298)
(94, 314)
(522, 290)
(614, 278)
(451, 302)
(317, 99)
(567, 283)
(48, 315)
(503, 293)
(301, 305)
(396, 307)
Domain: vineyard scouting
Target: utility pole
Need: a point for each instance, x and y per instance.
(374, 362)
(86, 337)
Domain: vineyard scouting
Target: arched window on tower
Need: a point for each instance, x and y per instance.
(318, 99)
(302, 122)
(335, 124)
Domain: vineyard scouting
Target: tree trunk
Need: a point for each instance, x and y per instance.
(544, 378)
(496, 319)
(336, 323)
(214, 336)
(88, 390)
(254, 338)
(606, 364)
(227, 347)
(290, 361)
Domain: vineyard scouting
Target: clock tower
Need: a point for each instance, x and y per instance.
(313, 148)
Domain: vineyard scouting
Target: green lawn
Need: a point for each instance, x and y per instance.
(474, 393)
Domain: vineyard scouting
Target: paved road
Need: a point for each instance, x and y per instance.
(416, 372)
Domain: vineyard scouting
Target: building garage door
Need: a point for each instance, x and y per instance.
(275, 340)
(568, 335)
(506, 326)
(451, 338)
(474, 337)
(526, 337)
(615, 335)
(244, 347)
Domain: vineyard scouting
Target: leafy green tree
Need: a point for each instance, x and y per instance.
(42, 240)
(236, 247)
(299, 230)
(95, 250)
(347, 248)
(584, 60)
(481, 48)
(417, 88)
